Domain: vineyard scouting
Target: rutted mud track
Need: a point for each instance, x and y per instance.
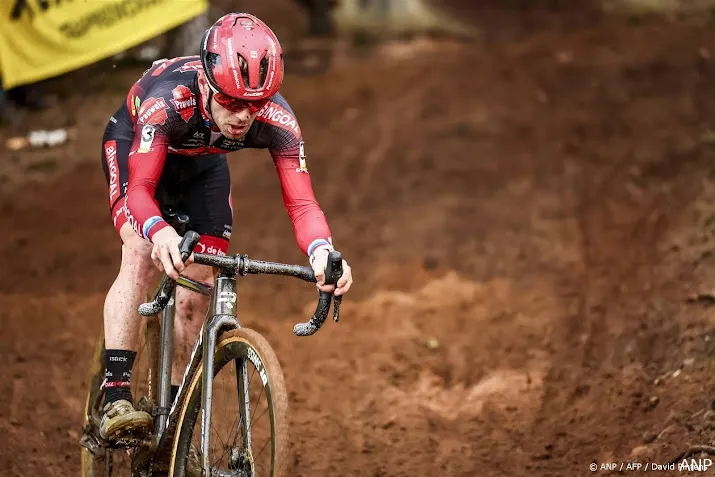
(524, 221)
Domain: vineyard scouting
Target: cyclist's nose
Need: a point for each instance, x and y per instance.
(243, 114)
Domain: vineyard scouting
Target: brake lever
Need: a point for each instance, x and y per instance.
(333, 272)
(336, 307)
(188, 244)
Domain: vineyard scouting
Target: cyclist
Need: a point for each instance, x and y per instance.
(165, 147)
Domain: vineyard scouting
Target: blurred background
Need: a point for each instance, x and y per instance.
(525, 191)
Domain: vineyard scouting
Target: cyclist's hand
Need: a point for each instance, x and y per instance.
(319, 261)
(166, 255)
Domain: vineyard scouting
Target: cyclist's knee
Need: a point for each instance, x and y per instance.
(136, 257)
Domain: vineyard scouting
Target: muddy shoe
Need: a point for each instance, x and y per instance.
(121, 419)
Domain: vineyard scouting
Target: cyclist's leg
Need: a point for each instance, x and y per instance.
(121, 318)
(206, 199)
(137, 275)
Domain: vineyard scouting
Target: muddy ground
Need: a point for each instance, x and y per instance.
(526, 217)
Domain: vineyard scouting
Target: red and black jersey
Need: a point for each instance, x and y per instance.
(164, 115)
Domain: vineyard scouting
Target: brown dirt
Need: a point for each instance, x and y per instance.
(525, 218)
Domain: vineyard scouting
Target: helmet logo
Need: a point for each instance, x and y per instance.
(215, 39)
(254, 54)
(247, 24)
(231, 56)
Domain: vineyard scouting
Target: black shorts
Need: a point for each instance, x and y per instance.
(199, 187)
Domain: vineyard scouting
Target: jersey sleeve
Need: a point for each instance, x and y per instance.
(287, 149)
(146, 162)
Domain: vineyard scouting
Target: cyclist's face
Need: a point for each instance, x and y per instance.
(233, 123)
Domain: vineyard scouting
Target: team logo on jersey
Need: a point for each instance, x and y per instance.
(189, 66)
(229, 144)
(133, 101)
(272, 113)
(148, 133)
(302, 166)
(136, 103)
(184, 102)
(191, 142)
(153, 111)
(110, 152)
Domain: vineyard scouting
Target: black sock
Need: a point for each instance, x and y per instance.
(174, 392)
(118, 375)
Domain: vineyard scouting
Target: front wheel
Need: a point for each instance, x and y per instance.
(249, 416)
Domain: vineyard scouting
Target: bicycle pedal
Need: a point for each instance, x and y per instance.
(129, 438)
(131, 441)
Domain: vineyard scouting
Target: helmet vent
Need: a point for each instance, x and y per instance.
(212, 60)
(263, 72)
(243, 68)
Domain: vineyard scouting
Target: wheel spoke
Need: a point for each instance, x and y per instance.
(256, 407)
(260, 415)
(262, 448)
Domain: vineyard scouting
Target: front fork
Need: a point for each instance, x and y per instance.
(223, 315)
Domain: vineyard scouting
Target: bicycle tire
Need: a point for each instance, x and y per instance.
(231, 345)
(89, 463)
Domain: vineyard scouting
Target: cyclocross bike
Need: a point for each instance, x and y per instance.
(227, 359)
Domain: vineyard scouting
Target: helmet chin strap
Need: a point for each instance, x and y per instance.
(207, 109)
(208, 106)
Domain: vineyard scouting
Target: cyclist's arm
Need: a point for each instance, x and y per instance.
(309, 224)
(146, 161)
(284, 140)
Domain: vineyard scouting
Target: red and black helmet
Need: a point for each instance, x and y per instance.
(242, 57)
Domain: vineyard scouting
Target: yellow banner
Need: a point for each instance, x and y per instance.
(40, 39)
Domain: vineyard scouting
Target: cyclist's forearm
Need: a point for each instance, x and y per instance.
(311, 229)
(309, 224)
(143, 213)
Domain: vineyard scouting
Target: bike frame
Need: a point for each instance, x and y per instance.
(222, 315)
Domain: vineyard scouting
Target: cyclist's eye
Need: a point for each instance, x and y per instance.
(236, 105)
(256, 106)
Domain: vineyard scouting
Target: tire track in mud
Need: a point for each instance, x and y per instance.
(628, 189)
(585, 335)
(614, 342)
